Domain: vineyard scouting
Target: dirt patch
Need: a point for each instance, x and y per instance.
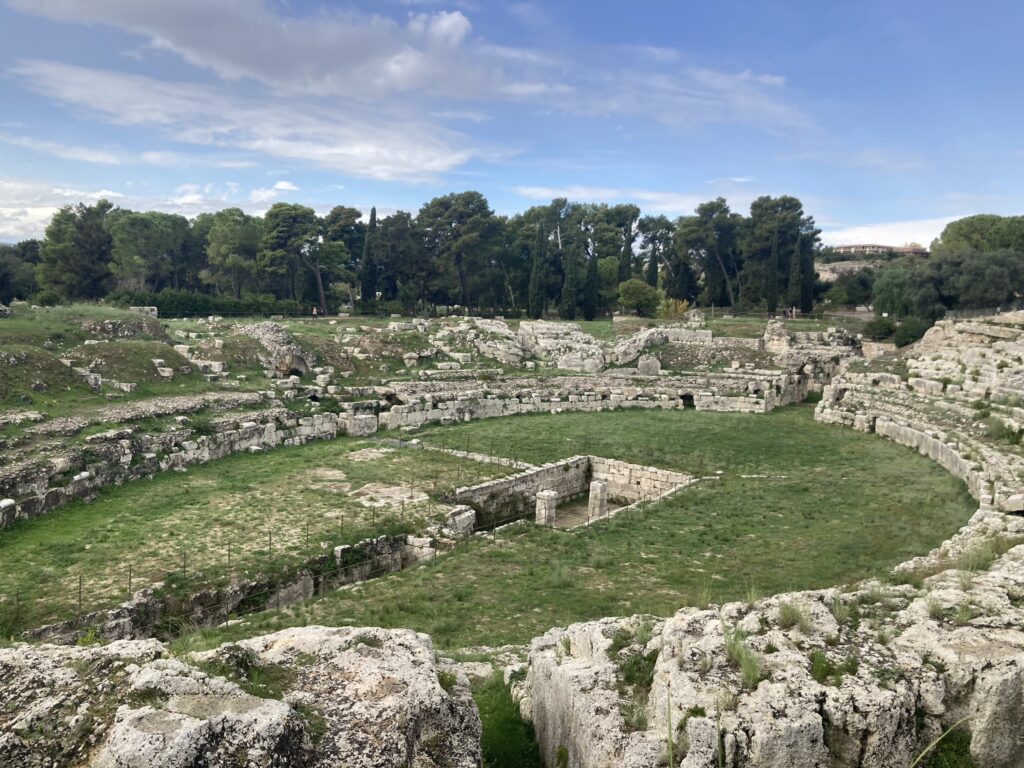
(327, 479)
(393, 496)
(369, 454)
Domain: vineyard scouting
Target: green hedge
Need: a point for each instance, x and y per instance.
(172, 303)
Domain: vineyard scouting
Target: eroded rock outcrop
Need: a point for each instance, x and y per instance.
(309, 696)
(563, 344)
(819, 679)
(284, 356)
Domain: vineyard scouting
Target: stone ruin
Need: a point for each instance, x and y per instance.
(608, 484)
(283, 356)
(923, 654)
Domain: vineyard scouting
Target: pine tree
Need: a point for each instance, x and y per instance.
(570, 286)
(626, 257)
(535, 299)
(591, 302)
(771, 276)
(368, 265)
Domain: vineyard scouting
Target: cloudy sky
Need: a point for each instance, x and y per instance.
(887, 119)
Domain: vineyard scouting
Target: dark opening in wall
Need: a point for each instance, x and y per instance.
(688, 401)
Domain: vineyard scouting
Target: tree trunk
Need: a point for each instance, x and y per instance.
(320, 289)
(728, 281)
(462, 279)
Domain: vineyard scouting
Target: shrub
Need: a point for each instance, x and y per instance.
(909, 331)
(46, 298)
(879, 328)
(637, 296)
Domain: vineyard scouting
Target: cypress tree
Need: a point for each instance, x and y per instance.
(807, 282)
(570, 286)
(771, 276)
(368, 265)
(796, 271)
(535, 299)
(652, 268)
(591, 290)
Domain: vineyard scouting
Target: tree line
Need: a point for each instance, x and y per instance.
(579, 259)
(976, 263)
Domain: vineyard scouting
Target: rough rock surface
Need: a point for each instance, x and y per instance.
(563, 344)
(861, 680)
(283, 354)
(309, 696)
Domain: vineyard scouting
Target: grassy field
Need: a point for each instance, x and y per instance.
(243, 515)
(798, 505)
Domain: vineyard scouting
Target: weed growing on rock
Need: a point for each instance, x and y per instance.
(791, 615)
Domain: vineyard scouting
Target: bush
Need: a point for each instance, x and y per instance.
(45, 298)
(909, 331)
(637, 296)
(172, 303)
(879, 328)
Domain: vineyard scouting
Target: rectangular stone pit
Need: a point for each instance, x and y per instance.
(585, 487)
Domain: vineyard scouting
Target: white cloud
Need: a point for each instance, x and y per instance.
(375, 59)
(652, 201)
(26, 206)
(338, 52)
(896, 233)
(378, 144)
(63, 151)
(266, 194)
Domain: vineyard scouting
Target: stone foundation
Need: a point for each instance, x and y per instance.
(541, 489)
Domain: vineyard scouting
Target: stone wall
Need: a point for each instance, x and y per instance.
(515, 497)
(120, 456)
(749, 392)
(153, 608)
(631, 482)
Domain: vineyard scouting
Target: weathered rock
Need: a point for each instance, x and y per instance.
(866, 702)
(562, 343)
(284, 356)
(309, 696)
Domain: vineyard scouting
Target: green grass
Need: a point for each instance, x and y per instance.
(954, 751)
(507, 741)
(265, 513)
(828, 506)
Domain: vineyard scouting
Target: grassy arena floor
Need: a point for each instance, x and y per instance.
(243, 515)
(797, 505)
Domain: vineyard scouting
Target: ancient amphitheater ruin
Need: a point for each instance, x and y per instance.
(859, 675)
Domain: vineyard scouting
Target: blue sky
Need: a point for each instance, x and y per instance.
(887, 119)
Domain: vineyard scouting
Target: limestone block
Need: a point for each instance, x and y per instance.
(547, 502)
(648, 365)
(598, 500)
